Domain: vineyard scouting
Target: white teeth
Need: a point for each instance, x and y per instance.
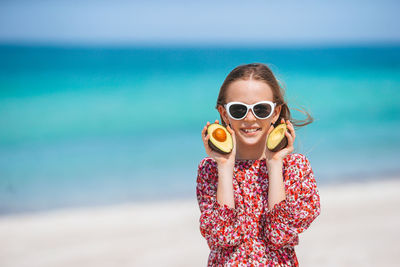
(250, 130)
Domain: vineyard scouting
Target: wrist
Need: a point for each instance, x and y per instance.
(225, 165)
(273, 164)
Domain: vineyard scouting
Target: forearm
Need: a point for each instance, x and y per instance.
(225, 193)
(276, 187)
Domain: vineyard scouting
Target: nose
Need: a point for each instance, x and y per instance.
(250, 116)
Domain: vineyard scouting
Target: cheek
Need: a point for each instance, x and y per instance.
(268, 122)
(235, 126)
(266, 126)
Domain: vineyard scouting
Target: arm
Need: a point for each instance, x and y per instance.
(294, 214)
(276, 187)
(225, 193)
(219, 222)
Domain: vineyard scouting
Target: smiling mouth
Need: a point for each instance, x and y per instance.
(250, 130)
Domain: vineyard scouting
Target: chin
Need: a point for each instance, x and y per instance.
(251, 140)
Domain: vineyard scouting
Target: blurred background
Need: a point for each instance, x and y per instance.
(103, 102)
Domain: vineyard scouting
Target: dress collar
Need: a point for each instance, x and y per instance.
(244, 164)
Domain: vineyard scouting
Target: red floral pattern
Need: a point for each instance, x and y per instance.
(250, 234)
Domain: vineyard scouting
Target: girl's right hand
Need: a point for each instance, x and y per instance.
(219, 157)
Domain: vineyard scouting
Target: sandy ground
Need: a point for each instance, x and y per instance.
(358, 226)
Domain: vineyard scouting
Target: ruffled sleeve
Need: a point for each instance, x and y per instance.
(294, 214)
(219, 224)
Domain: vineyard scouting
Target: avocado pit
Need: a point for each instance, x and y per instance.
(219, 135)
(220, 139)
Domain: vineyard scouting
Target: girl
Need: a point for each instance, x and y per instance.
(254, 202)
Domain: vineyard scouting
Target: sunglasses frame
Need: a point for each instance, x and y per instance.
(228, 105)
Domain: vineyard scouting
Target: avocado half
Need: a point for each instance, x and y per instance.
(277, 138)
(220, 138)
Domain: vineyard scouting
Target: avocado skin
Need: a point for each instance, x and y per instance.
(281, 145)
(213, 147)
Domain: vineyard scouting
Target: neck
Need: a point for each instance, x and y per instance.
(250, 152)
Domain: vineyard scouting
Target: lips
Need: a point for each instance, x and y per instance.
(250, 130)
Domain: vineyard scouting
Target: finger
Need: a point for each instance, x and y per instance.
(205, 138)
(293, 134)
(208, 148)
(287, 150)
(290, 127)
(289, 124)
(216, 121)
(203, 135)
(289, 137)
(208, 124)
(204, 130)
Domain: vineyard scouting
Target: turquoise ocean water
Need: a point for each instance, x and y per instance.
(94, 126)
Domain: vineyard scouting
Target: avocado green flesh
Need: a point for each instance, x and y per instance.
(224, 147)
(277, 138)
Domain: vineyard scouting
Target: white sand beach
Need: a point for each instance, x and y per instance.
(358, 226)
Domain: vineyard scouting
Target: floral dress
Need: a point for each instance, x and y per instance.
(250, 234)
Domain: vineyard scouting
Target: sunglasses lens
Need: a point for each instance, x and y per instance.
(262, 110)
(237, 111)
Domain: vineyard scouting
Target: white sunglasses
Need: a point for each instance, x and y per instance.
(239, 110)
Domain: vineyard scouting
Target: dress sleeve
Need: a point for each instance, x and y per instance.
(294, 214)
(219, 224)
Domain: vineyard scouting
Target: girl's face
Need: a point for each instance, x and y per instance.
(249, 92)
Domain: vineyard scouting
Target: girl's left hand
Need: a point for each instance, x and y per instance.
(272, 157)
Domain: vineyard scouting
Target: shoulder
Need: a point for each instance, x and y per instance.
(207, 166)
(296, 166)
(207, 162)
(207, 169)
(297, 160)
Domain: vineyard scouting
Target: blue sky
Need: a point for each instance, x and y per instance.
(200, 22)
